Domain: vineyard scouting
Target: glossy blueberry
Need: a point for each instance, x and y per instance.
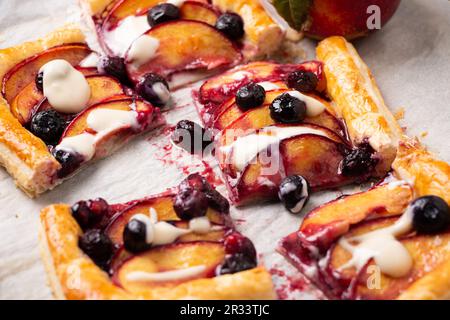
(231, 25)
(215, 200)
(69, 161)
(97, 246)
(154, 89)
(241, 254)
(358, 161)
(191, 136)
(431, 214)
(113, 66)
(162, 13)
(135, 236)
(48, 125)
(91, 213)
(250, 96)
(294, 193)
(287, 109)
(39, 80)
(303, 81)
(190, 203)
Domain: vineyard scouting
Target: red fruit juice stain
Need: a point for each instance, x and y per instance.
(290, 284)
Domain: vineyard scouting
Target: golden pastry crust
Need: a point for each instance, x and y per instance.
(427, 174)
(358, 100)
(74, 276)
(262, 35)
(25, 156)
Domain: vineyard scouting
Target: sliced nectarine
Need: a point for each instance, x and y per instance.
(194, 10)
(427, 253)
(126, 8)
(164, 209)
(339, 215)
(30, 99)
(186, 45)
(25, 72)
(170, 258)
(218, 89)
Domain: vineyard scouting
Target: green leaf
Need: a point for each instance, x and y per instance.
(295, 12)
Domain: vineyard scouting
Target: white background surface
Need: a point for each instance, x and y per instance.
(410, 59)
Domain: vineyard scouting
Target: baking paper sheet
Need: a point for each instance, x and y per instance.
(409, 58)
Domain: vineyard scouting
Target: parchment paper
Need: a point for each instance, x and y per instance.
(409, 58)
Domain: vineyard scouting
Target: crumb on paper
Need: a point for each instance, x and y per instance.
(400, 114)
(423, 134)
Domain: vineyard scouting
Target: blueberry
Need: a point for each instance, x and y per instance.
(135, 236)
(113, 66)
(48, 125)
(92, 213)
(39, 80)
(236, 263)
(250, 96)
(294, 193)
(162, 13)
(190, 203)
(154, 89)
(215, 200)
(303, 81)
(231, 25)
(287, 109)
(191, 137)
(97, 246)
(240, 254)
(69, 161)
(358, 161)
(431, 214)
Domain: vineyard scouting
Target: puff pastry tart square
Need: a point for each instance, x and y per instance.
(390, 242)
(324, 120)
(177, 245)
(183, 41)
(57, 112)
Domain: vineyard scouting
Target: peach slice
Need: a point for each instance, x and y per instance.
(315, 157)
(220, 88)
(25, 72)
(126, 8)
(186, 45)
(164, 208)
(115, 139)
(30, 98)
(335, 218)
(427, 252)
(195, 10)
(171, 258)
(234, 117)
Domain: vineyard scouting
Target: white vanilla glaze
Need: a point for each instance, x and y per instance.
(91, 61)
(162, 232)
(268, 86)
(313, 106)
(177, 3)
(66, 88)
(304, 196)
(240, 75)
(149, 230)
(142, 50)
(246, 148)
(120, 38)
(83, 144)
(162, 92)
(108, 120)
(389, 254)
(200, 225)
(103, 121)
(173, 275)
